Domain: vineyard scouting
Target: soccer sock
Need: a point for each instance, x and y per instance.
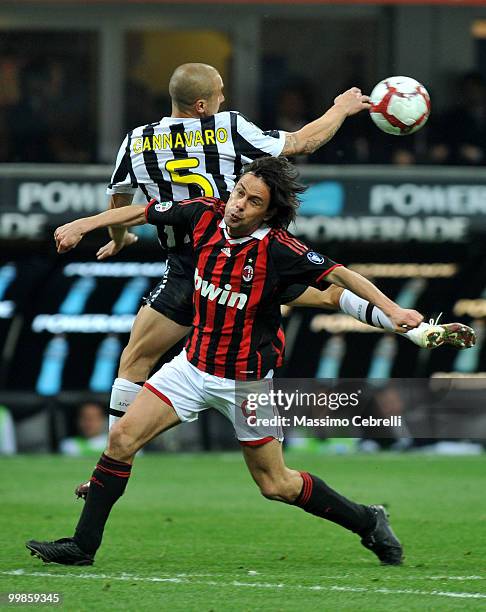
(364, 311)
(319, 499)
(108, 483)
(416, 335)
(123, 393)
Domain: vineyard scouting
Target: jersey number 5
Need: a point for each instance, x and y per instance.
(177, 166)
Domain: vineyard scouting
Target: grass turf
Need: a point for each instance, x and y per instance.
(192, 533)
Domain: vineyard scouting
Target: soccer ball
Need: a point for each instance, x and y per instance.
(400, 105)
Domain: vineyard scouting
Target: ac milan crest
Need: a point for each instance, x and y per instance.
(247, 273)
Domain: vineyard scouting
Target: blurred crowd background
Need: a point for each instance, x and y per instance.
(52, 80)
(75, 77)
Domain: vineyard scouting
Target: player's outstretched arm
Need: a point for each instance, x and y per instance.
(315, 134)
(68, 236)
(403, 318)
(119, 235)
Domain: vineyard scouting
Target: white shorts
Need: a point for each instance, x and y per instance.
(191, 391)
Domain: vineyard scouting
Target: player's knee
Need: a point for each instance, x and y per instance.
(135, 363)
(270, 492)
(281, 485)
(121, 443)
(276, 489)
(130, 355)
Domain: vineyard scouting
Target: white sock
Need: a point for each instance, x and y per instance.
(416, 336)
(364, 311)
(123, 393)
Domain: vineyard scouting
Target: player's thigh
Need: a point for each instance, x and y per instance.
(314, 298)
(145, 418)
(153, 334)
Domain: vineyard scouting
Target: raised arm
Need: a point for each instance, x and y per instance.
(315, 134)
(68, 236)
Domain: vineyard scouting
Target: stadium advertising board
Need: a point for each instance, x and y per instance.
(341, 204)
(392, 205)
(33, 202)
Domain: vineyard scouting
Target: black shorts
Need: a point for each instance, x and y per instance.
(172, 296)
(292, 293)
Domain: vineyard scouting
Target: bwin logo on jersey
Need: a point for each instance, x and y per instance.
(225, 296)
(315, 258)
(163, 206)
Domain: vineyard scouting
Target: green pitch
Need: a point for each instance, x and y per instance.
(193, 534)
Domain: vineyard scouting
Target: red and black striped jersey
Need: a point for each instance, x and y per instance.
(237, 286)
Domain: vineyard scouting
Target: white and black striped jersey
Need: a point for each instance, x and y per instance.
(183, 158)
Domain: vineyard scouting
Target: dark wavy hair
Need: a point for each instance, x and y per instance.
(281, 177)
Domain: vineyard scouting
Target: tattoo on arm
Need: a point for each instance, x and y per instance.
(311, 145)
(290, 146)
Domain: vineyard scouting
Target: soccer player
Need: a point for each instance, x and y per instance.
(197, 151)
(200, 151)
(244, 258)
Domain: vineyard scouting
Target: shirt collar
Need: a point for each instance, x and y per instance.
(259, 233)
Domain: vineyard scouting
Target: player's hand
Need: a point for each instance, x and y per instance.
(113, 247)
(68, 236)
(405, 319)
(353, 101)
